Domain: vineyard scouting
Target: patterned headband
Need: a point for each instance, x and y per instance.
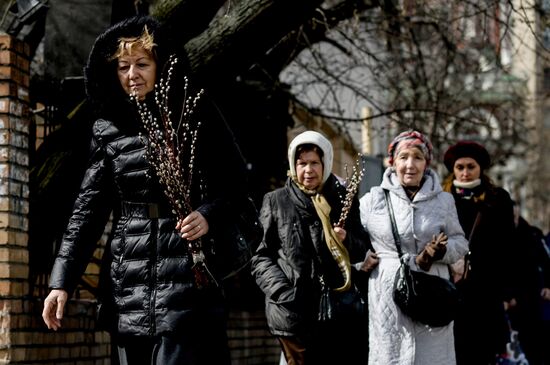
(411, 139)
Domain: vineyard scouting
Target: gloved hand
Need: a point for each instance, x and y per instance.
(434, 250)
(371, 261)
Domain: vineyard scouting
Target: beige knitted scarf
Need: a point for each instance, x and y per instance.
(336, 247)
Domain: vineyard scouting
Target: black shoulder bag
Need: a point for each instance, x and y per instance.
(425, 298)
(334, 305)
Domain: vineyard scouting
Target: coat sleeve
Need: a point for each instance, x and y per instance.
(357, 239)
(457, 245)
(267, 273)
(87, 223)
(506, 247)
(364, 207)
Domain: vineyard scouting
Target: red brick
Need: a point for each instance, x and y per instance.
(6, 57)
(22, 63)
(5, 72)
(4, 105)
(5, 41)
(9, 89)
(13, 288)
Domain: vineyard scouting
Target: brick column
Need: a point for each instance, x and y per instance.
(24, 339)
(14, 193)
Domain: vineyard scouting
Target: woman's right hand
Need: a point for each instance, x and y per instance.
(54, 304)
(193, 226)
(433, 251)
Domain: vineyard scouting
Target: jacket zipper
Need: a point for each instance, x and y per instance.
(154, 226)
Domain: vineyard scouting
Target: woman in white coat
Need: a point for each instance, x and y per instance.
(431, 237)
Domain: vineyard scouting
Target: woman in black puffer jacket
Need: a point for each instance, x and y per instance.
(157, 310)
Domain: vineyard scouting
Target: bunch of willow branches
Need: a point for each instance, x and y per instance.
(171, 152)
(352, 185)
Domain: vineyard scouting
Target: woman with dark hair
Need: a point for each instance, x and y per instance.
(158, 310)
(484, 278)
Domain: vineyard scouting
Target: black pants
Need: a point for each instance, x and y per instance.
(334, 342)
(205, 345)
(480, 329)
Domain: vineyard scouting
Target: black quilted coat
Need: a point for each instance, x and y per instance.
(287, 262)
(148, 269)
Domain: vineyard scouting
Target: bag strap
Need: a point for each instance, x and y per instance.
(394, 231)
(476, 223)
(467, 256)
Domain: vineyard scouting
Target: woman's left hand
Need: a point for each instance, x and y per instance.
(193, 227)
(341, 233)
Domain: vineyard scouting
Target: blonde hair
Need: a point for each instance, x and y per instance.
(127, 45)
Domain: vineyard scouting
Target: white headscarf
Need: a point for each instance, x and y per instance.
(320, 141)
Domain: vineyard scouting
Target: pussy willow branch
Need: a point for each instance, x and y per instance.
(171, 153)
(352, 185)
(171, 149)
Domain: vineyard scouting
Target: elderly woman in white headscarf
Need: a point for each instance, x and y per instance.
(304, 253)
(431, 238)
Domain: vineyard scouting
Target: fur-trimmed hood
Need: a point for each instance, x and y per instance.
(103, 88)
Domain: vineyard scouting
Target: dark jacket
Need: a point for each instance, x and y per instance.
(285, 267)
(481, 322)
(532, 260)
(533, 274)
(492, 243)
(150, 282)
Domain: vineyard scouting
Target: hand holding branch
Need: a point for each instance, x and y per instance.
(193, 227)
(352, 185)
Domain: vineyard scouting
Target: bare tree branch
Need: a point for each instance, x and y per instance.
(232, 43)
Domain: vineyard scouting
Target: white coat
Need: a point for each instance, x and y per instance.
(394, 339)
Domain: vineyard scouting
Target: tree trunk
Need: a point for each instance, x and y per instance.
(186, 18)
(237, 39)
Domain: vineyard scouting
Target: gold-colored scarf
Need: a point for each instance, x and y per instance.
(335, 246)
(337, 249)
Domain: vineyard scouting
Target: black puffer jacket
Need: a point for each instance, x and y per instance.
(284, 265)
(151, 285)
